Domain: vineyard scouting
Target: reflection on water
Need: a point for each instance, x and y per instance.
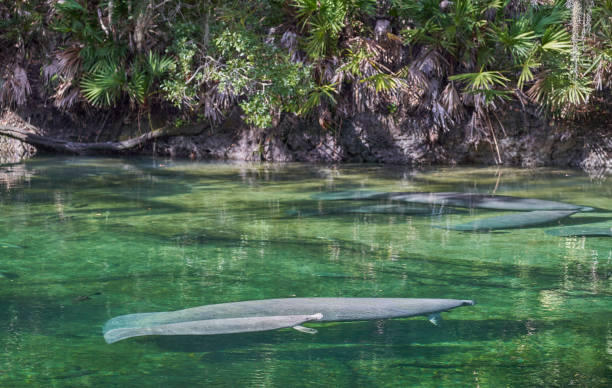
(85, 239)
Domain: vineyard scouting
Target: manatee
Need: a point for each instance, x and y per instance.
(457, 199)
(348, 195)
(512, 221)
(586, 231)
(391, 208)
(486, 201)
(401, 209)
(270, 314)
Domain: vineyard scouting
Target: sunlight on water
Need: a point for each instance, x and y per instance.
(85, 239)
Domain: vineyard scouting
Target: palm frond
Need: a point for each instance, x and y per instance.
(452, 102)
(15, 88)
(518, 39)
(137, 87)
(382, 82)
(560, 92)
(526, 74)
(158, 65)
(556, 39)
(103, 86)
(482, 80)
(319, 95)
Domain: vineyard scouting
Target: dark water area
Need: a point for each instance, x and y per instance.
(85, 239)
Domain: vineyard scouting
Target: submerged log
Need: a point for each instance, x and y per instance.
(79, 148)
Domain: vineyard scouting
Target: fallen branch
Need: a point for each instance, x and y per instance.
(96, 147)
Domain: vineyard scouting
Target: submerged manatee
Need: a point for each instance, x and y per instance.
(396, 208)
(486, 201)
(410, 209)
(512, 221)
(347, 195)
(582, 231)
(270, 314)
(457, 199)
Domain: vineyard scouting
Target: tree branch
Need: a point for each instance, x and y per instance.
(104, 28)
(95, 147)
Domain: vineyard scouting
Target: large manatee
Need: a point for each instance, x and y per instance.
(512, 221)
(486, 201)
(389, 208)
(270, 314)
(457, 199)
(350, 195)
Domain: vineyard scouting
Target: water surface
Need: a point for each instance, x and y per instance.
(86, 239)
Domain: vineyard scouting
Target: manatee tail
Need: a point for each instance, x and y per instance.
(213, 326)
(135, 321)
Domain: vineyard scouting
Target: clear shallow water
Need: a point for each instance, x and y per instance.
(86, 239)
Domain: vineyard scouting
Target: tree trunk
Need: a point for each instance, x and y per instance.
(96, 147)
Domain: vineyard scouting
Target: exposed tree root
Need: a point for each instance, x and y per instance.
(28, 136)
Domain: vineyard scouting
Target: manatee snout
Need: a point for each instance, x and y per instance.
(468, 303)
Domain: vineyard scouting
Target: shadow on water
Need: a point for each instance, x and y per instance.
(9, 275)
(567, 221)
(348, 339)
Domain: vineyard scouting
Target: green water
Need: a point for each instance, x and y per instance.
(83, 240)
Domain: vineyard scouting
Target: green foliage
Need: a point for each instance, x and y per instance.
(176, 87)
(322, 94)
(460, 33)
(103, 86)
(477, 34)
(271, 82)
(559, 91)
(110, 65)
(324, 21)
(383, 82)
(481, 81)
(76, 21)
(106, 82)
(273, 57)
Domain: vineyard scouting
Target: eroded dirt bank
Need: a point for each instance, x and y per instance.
(525, 140)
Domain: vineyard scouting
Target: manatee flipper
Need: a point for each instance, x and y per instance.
(307, 330)
(435, 318)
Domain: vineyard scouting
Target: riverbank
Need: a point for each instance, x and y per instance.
(526, 140)
(396, 82)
